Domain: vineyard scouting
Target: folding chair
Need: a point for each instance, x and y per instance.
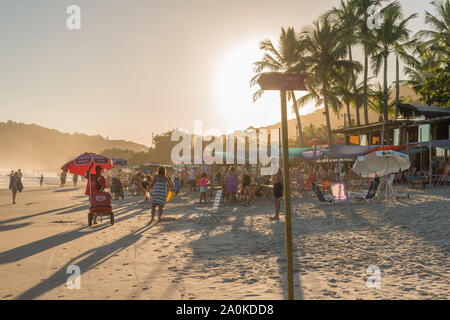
(371, 193)
(319, 193)
(211, 212)
(338, 193)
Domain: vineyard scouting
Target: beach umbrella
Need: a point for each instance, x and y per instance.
(81, 164)
(381, 163)
(317, 141)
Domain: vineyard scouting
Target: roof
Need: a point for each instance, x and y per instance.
(415, 110)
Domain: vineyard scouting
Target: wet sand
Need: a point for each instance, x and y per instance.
(242, 257)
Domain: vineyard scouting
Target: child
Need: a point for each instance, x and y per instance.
(203, 183)
(177, 184)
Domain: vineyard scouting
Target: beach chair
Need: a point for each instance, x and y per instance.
(211, 212)
(442, 178)
(319, 193)
(371, 193)
(339, 196)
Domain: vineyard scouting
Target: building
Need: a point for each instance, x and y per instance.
(417, 125)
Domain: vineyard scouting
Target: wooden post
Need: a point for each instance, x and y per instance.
(431, 159)
(409, 156)
(287, 198)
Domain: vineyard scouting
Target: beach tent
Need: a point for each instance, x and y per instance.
(309, 155)
(340, 151)
(119, 162)
(395, 148)
(345, 151)
(434, 143)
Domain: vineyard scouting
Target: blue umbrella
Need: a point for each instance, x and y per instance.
(119, 162)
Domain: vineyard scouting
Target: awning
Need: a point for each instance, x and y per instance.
(434, 143)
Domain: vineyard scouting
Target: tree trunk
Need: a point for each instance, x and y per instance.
(348, 116)
(385, 98)
(299, 120)
(327, 115)
(397, 85)
(366, 76)
(355, 92)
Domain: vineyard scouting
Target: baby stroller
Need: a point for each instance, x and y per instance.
(100, 205)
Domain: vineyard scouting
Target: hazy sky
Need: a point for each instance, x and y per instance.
(144, 66)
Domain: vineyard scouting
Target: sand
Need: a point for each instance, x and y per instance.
(242, 257)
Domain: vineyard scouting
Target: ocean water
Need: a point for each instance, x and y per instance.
(29, 179)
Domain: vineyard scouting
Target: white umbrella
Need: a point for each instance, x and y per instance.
(381, 163)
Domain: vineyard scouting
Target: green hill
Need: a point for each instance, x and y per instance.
(33, 146)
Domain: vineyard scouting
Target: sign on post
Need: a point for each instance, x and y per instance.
(285, 82)
(282, 81)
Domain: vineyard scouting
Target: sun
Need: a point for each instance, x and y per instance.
(234, 96)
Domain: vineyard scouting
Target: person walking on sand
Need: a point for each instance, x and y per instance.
(159, 185)
(15, 185)
(62, 178)
(20, 174)
(231, 185)
(246, 181)
(98, 183)
(41, 180)
(277, 180)
(192, 179)
(203, 185)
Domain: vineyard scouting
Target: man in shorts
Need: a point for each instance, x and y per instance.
(277, 180)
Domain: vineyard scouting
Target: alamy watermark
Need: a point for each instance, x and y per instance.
(258, 145)
(375, 16)
(73, 22)
(74, 280)
(374, 279)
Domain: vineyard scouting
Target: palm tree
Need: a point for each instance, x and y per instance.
(283, 59)
(419, 68)
(324, 57)
(376, 101)
(345, 17)
(389, 37)
(362, 12)
(439, 38)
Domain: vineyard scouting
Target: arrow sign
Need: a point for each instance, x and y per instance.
(282, 81)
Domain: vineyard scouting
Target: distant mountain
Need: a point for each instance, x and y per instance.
(32, 146)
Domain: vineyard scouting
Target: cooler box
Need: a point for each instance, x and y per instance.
(100, 202)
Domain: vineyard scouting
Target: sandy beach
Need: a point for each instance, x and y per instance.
(242, 257)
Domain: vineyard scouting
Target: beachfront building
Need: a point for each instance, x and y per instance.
(426, 127)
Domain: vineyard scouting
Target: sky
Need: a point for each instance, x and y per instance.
(145, 66)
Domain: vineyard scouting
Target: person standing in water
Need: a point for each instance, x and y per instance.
(41, 180)
(159, 185)
(277, 180)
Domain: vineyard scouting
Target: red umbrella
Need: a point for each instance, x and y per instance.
(324, 142)
(81, 164)
(318, 141)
